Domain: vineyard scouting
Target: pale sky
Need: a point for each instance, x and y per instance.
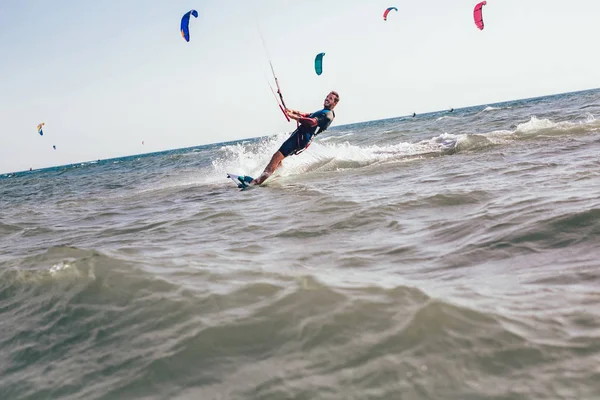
(106, 75)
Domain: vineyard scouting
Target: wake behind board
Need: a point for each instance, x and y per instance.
(242, 181)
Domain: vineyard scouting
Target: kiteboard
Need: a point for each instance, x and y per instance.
(242, 181)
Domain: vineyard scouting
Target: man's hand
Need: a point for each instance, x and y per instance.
(293, 114)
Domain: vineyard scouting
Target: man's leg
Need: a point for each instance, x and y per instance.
(270, 168)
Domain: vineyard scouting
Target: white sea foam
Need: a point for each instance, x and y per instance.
(535, 125)
(490, 108)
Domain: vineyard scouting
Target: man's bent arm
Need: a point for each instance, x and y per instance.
(296, 114)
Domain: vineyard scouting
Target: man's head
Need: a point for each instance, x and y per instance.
(331, 100)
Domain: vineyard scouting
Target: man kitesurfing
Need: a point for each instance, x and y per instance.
(309, 126)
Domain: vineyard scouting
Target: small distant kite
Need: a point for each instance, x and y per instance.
(39, 129)
(478, 15)
(185, 22)
(142, 142)
(319, 63)
(54, 147)
(386, 12)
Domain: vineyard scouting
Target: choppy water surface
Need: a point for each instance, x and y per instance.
(446, 256)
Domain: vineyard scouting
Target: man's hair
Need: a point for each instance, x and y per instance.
(337, 96)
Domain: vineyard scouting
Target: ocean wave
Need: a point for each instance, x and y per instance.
(447, 117)
(321, 156)
(490, 108)
(8, 229)
(535, 125)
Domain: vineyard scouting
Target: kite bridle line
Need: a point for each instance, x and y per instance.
(280, 101)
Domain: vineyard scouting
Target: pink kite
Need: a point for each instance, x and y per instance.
(477, 15)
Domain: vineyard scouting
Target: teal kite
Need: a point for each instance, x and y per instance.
(319, 63)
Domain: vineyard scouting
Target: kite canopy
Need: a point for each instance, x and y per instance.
(478, 15)
(319, 63)
(185, 22)
(386, 12)
(39, 129)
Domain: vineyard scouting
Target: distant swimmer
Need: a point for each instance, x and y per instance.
(309, 126)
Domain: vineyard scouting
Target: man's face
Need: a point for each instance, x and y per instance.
(330, 101)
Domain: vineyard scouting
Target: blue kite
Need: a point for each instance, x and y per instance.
(185, 22)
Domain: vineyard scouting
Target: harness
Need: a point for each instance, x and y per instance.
(309, 136)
